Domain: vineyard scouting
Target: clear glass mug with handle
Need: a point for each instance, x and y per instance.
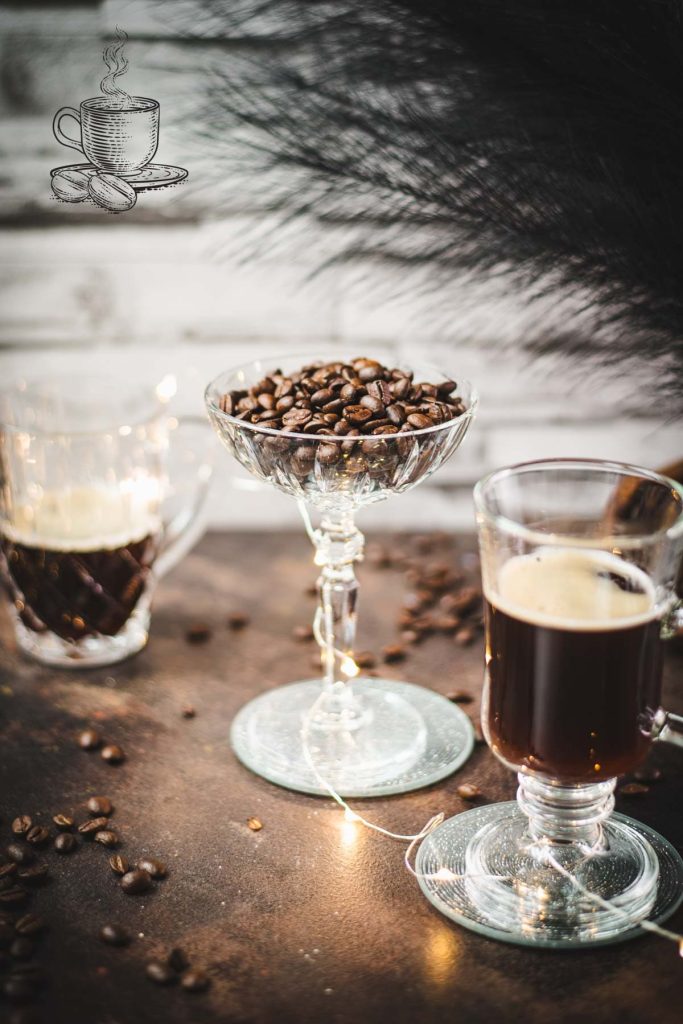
(581, 566)
(101, 492)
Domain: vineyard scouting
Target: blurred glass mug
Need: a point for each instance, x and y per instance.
(100, 494)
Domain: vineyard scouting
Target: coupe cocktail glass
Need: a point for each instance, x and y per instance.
(365, 736)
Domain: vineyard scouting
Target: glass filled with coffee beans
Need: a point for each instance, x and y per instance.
(579, 565)
(100, 493)
(339, 433)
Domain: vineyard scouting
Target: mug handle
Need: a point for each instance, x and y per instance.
(59, 134)
(190, 471)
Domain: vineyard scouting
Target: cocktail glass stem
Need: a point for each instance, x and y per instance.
(338, 545)
(565, 815)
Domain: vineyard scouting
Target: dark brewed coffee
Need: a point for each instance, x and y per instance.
(573, 664)
(73, 587)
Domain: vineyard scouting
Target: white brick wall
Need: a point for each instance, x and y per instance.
(157, 290)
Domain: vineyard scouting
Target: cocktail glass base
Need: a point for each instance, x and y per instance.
(405, 737)
(483, 870)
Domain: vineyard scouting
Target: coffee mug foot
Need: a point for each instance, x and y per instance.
(90, 652)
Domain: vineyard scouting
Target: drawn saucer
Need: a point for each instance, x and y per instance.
(151, 176)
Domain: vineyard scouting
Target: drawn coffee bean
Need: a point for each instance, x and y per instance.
(112, 193)
(71, 186)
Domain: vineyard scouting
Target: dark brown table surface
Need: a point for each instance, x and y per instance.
(304, 920)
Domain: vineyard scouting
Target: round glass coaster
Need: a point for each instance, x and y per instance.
(408, 737)
(449, 848)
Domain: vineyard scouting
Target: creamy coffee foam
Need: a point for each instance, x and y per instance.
(568, 588)
(86, 518)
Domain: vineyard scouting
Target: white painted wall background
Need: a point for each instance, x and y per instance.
(151, 292)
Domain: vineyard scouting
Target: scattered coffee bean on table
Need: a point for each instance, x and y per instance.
(460, 697)
(33, 874)
(633, 789)
(38, 835)
(198, 634)
(99, 805)
(119, 864)
(89, 828)
(136, 881)
(393, 652)
(12, 896)
(188, 711)
(90, 739)
(65, 842)
(302, 633)
(254, 824)
(22, 825)
(114, 935)
(195, 981)
(7, 869)
(161, 973)
(178, 960)
(106, 838)
(113, 754)
(154, 868)
(365, 659)
(20, 854)
(63, 821)
(29, 924)
(468, 791)
(237, 620)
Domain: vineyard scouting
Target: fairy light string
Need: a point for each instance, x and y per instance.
(444, 874)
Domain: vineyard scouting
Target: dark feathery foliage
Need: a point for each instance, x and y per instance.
(543, 140)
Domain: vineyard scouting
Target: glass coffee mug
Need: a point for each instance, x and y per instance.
(579, 565)
(100, 494)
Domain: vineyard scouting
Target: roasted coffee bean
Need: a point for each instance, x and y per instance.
(178, 960)
(633, 789)
(195, 981)
(22, 825)
(348, 394)
(322, 397)
(266, 401)
(254, 824)
(20, 854)
(37, 836)
(65, 842)
(89, 828)
(357, 415)
(199, 633)
(418, 421)
(90, 739)
(160, 973)
(113, 754)
(393, 652)
(119, 864)
(365, 659)
(63, 821)
(446, 388)
(12, 895)
(33, 874)
(369, 402)
(22, 948)
(302, 633)
(114, 935)
(106, 838)
(136, 881)
(237, 620)
(71, 185)
(296, 418)
(460, 697)
(7, 869)
(29, 924)
(188, 711)
(446, 623)
(465, 636)
(328, 454)
(154, 868)
(468, 791)
(100, 805)
(284, 404)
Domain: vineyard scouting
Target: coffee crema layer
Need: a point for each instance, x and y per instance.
(574, 664)
(76, 562)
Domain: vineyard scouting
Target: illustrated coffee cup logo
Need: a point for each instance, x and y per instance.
(119, 135)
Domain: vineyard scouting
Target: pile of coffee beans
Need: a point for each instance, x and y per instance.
(357, 406)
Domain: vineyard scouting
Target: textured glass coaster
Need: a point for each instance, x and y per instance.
(446, 848)
(413, 738)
